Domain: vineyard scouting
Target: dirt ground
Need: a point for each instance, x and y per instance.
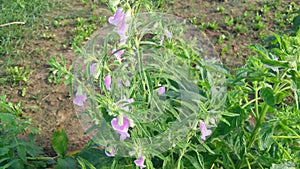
(51, 107)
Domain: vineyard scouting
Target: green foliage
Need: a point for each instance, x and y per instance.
(60, 142)
(16, 76)
(14, 152)
(84, 28)
(59, 70)
(12, 37)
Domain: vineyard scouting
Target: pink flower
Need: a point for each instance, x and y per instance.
(140, 162)
(107, 82)
(79, 99)
(204, 132)
(111, 154)
(161, 90)
(119, 20)
(168, 35)
(92, 68)
(118, 54)
(121, 129)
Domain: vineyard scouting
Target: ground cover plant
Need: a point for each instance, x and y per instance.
(116, 87)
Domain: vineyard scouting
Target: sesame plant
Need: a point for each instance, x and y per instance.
(149, 84)
(151, 93)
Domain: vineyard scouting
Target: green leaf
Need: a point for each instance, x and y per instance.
(266, 133)
(229, 114)
(66, 163)
(10, 163)
(267, 95)
(275, 63)
(194, 161)
(60, 142)
(3, 151)
(83, 163)
(21, 150)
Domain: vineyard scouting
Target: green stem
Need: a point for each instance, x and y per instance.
(284, 150)
(258, 125)
(287, 137)
(41, 158)
(255, 132)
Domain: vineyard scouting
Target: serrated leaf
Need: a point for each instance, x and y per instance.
(10, 163)
(3, 151)
(21, 150)
(265, 139)
(268, 96)
(60, 142)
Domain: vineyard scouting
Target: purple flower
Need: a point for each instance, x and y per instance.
(119, 20)
(111, 154)
(204, 131)
(140, 162)
(161, 90)
(79, 99)
(107, 82)
(118, 54)
(122, 129)
(168, 34)
(92, 68)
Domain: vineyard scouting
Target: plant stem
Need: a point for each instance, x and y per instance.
(255, 131)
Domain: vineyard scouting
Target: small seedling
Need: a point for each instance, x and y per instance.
(229, 21)
(212, 25)
(220, 9)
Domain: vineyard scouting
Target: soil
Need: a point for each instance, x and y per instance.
(50, 106)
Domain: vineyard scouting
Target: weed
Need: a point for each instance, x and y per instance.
(229, 21)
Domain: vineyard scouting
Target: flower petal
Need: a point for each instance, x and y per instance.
(121, 129)
(204, 131)
(140, 162)
(117, 19)
(79, 99)
(161, 90)
(92, 68)
(118, 54)
(107, 82)
(111, 154)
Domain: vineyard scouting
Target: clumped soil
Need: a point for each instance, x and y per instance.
(50, 105)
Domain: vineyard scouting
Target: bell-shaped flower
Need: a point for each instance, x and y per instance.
(140, 162)
(121, 126)
(119, 20)
(93, 68)
(204, 131)
(79, 99)
(107, 82)
(111, 153)
(118, 54)
(161, 90)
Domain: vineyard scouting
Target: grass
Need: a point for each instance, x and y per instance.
(14, 38)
